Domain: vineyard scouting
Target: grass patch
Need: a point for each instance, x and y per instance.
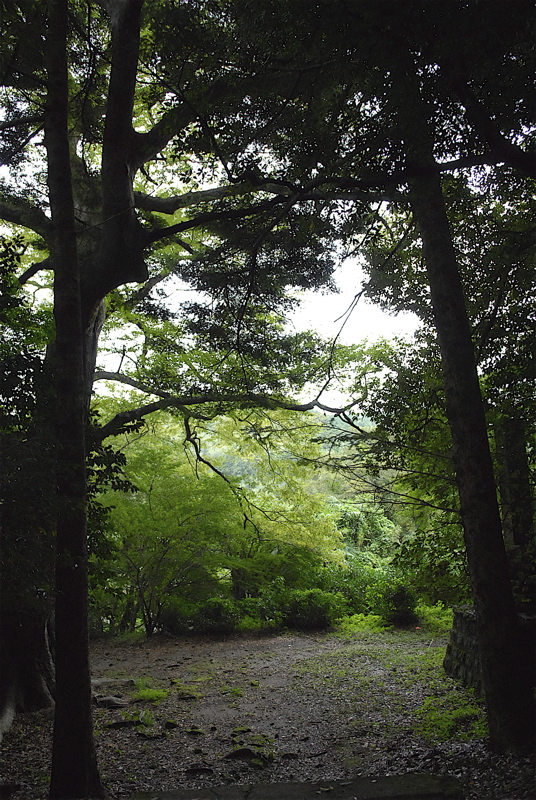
(139, 716)
(147, 692)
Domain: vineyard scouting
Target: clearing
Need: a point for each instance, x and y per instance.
(306, 707)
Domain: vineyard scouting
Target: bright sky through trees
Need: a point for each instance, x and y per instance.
(327, 313)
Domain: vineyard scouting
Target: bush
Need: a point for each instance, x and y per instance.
(399, 606)
(312, 609)
(352, 580)
(217, 616)
(435, 619)
(357, 623)
(176, 616)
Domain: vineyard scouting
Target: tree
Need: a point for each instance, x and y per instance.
(226, 99)
(96, 239)
(228, 520)
(404, 79)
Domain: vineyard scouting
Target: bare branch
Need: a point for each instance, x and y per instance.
(14, 122)
(21, 212)
(34, 269)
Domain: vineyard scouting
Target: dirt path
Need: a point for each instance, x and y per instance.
(245, 710)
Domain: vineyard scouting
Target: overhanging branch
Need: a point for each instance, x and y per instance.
(220, 401)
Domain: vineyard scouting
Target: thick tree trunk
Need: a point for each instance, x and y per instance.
(74, 765)
(517, 504)
(26, 661)
(510, 711)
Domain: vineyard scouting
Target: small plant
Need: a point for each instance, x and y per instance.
(234, 691)
(185, 691)
(435, 619)
(139, 716)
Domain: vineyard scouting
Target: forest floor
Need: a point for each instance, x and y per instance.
(289, 707)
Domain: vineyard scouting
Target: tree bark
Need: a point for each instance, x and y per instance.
(510, 711)
(74, 764)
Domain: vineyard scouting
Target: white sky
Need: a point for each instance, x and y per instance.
(326, 312)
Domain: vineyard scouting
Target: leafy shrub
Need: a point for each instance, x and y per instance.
(350, 579)
(312, 609)
(399, 606)
(217, 616)
(248, 624)
(356, 623)
(266, 606)
(435, 619)
(435, 565)
(176, 616)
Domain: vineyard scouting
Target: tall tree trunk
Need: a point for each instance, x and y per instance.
(74, 764)
(510, 712)
(517, 504)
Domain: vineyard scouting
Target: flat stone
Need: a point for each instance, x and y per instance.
(394, 787)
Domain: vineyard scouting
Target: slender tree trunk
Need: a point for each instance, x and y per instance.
(510, 712)
(74, 764)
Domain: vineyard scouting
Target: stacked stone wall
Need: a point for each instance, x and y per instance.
(462, 658)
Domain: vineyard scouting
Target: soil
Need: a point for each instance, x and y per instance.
(304, 707)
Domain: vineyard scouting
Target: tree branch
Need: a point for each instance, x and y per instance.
(502, 148)
(212, 216)
(15, 121)
(20, 212)
(186, 403)
(34, 269)
(118, 377)
(168, 205)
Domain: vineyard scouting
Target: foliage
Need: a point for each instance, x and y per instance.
(312, 609)
(147, 693)
(217, 616)
(186, 534)
(215, 77)
(176, 616)
(357, 623)
(435, 619)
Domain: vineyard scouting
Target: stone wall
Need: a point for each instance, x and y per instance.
(462, 658)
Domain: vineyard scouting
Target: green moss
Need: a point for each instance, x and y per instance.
(452, 716)
(146, 692)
